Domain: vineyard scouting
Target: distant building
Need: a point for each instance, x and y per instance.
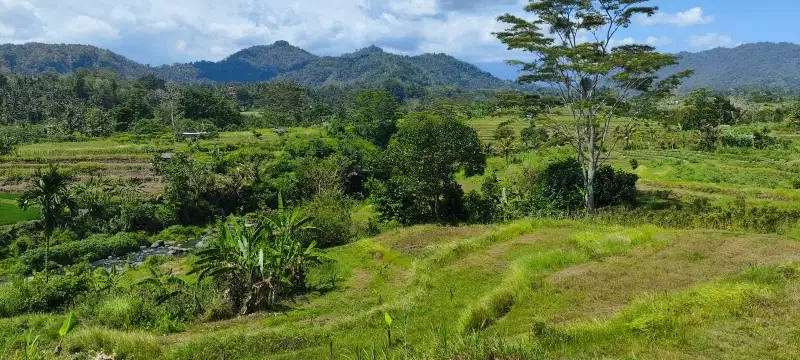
(193, 135)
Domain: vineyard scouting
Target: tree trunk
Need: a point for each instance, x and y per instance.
(46, 256)
(589, 189)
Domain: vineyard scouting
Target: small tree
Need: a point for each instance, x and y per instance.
(576, 54)
(505, 140)
(49, 191)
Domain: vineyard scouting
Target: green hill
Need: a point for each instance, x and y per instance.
(759, 65)
(279, 61)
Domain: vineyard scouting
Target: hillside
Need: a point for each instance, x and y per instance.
(773, 65)
(34, 58)
(279, 61)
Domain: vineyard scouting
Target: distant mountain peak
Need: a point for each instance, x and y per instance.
(280, 61)
(747, 66)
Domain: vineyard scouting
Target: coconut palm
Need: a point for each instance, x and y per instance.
(50, 192)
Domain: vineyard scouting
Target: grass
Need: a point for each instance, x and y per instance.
(10, 212)
(530, 289)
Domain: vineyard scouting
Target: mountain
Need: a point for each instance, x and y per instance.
(34, 58)
(757, 65)
(279, 61)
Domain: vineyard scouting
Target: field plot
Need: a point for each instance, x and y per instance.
(530, 289)
(113, 157)
(10, 213)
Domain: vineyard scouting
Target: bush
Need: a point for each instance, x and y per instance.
(558, 187)
(38, 295)
(634, 164)
(179, 233)
(479, 209)
(94, 248)
(614, 187)
(796, 183)
(331, 219)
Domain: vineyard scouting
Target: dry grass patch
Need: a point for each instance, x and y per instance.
(602, 289)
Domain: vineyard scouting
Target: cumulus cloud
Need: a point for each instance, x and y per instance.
(693, 16)
(650, 40)
(158, 31)
(711, 40)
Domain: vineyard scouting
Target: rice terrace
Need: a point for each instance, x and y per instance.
(628, 189)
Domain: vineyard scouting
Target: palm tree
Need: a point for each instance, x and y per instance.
(49, 191)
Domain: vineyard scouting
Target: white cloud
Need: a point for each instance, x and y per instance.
(86, 26)
(650, 40)
(658, 41)
(693, 16)
(415, 7)
(711, 40)
(159, 31)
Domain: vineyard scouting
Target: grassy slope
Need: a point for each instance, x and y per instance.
(546, 289)
(760, 176)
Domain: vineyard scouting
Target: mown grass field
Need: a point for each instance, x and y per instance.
(526, 290)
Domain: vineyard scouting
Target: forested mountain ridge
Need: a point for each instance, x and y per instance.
(748, 66)
(279, 61)
(34, 58)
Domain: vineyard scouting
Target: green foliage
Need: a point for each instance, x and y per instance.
(331, 220)
(179, 233)
(594, 77)
(559, 187)
(197, 103)
(45, 295)
(705, 108)
(49, 192)
(260, 265)
(534, 137)
(95, 247)
(375, 116)
(759, 139)
(421, 161)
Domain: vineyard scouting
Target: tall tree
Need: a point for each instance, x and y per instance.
(573, 46)
(375, 115)
(49, 190)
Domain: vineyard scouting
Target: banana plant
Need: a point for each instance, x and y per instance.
(69, 324)
(258, 265)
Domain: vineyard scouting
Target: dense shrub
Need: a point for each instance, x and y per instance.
(559, 187)
(94, 248)
(10, 233)
(480, 209)
(330, 217)
(758, 139)
(614, 187)
(38, 295)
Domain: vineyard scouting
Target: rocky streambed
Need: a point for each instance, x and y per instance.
(157, 248)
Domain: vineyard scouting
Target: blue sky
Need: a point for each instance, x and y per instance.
(167, 31)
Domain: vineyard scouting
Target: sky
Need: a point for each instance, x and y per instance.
(168, 31)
